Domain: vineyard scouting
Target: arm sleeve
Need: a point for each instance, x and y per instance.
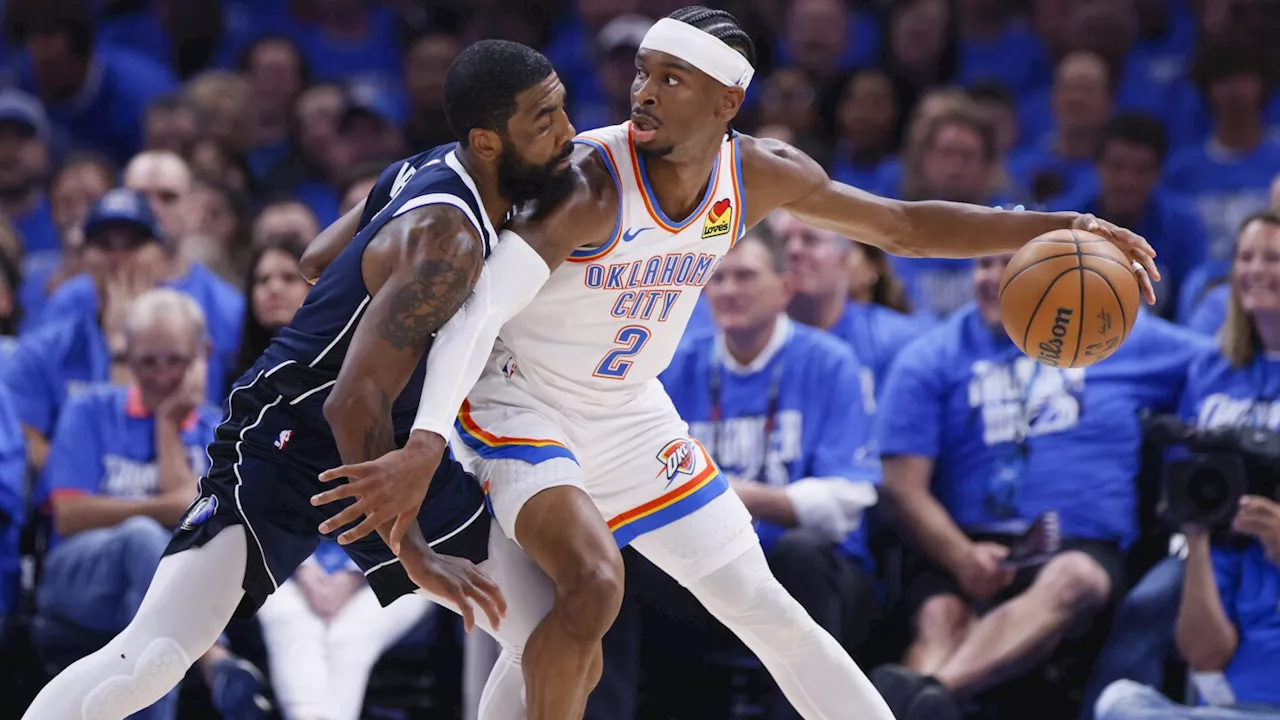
(510, 279)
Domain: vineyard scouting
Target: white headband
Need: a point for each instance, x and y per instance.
(700, 49)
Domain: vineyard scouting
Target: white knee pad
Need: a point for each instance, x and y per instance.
(157, 669)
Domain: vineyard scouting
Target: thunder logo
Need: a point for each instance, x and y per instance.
(719, 219)
(677, 458)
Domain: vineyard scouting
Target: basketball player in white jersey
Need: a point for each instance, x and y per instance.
(580, 449)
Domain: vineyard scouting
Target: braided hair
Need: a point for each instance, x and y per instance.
(720, 25)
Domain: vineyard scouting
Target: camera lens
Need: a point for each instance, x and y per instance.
(1207, 490)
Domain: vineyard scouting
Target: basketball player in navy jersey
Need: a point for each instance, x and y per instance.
(340, 384)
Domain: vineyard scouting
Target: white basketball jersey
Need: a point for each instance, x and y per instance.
(610, 318)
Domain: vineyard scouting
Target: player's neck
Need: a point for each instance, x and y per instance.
(745, 345)
(819, 310)
(486, 178)
(679, 185)
(1238, 134)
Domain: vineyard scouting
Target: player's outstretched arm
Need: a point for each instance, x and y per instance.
(420, 269)
(780, 176)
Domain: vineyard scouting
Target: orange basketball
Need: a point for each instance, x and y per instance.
(1068, 298)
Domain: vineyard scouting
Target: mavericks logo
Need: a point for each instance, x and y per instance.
(719, 219)
(201, 511)
(677, 459)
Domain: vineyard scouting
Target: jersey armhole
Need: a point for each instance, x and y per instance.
(589, 254)
(422, 201)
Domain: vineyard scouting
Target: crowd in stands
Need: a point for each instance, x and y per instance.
(164, 164)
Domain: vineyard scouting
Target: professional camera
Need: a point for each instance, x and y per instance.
(1223, 465)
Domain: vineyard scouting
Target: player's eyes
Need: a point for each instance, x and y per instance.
(672, 81)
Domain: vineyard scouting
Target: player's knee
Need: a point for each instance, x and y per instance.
(147, 669)
(942, 615)
(1075, 581)
(589, 599)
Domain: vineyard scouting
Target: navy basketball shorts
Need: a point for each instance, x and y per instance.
(265, 460)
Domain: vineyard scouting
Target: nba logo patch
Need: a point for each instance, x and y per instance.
(677, 459)
(509, 368)
(201, 511)
(283, 440)
(719, 219)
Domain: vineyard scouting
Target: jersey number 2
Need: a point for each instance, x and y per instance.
(616, 364)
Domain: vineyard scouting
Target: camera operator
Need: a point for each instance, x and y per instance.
(1228, 620)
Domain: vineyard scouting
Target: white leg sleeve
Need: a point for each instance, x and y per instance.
(479, 654)
(358, 636)
(192, 597)
(295, 641)
(503, 697)
(813, 671)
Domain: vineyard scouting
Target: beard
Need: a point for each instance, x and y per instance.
(522, 182)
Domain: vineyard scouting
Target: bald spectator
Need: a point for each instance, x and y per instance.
(1061, 164)
(96, 93)
(123, 469)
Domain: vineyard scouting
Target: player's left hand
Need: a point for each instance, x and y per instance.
(1142, 257)
(386, 488)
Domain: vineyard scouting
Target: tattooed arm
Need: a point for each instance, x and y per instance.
(420, 269)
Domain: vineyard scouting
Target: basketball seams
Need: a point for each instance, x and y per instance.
(1080, 320)
(1011, 278)
(1031, 320)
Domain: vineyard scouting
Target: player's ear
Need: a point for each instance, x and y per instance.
(485, 144)
(730, 103)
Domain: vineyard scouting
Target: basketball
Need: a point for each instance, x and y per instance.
(1068, 298)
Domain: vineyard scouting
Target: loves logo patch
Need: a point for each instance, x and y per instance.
(719, 219)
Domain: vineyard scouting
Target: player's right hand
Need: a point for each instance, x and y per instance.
(388, 488)
(456, 580)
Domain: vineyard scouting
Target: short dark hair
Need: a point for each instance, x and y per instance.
(79, 158)
(718, 24)
(246, 55)
(992, 91)
(482, 84)
(1137, 129)
(966, 119)
(772, 244)
(1234, 54)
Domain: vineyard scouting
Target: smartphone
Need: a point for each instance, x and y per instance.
(1038, 544)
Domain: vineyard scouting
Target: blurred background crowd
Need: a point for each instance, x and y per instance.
(164, 163)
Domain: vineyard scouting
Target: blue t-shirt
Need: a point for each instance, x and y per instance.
(1219, 395)
(1040, 160)
(875, 334)
(39, 235)
(53, 363)
(105, 445)
(990, 60)
(961, 392)
(937, 286)
(822, 427)
(1210, 313)
(375, 58)
(222, 304)
(13, 470)
(1223, 189)
(1249, 586)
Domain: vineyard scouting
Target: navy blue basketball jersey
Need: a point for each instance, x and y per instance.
(306, 355)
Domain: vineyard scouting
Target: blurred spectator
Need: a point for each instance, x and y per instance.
(290, 219)
(122, 470)
(616, 47)
(188, 37)
(978, 442)
(97, 95)
(1165, 42)
(817, 36)
(1228, 176)
(274, 292)
(10, 311)
(789, 99)
(779, 407)
(1227, 621)
(356, 190)
(220, 231)
(899, 175)
(998, 108)
(277, 75)
(173, 123)
(1061, 163)
(1052, 22)
(324, 630)
(989, 35)
(211, 162)
(867, 120)
(355, 41)
(13, 495)
(370, 127)
(1130, 158)
(225, 99)
(921, 47)
(425, 64)
(165, 179)
(833, 282)
(24, 167)
(306, 173)
(956, 160)
(570, 48)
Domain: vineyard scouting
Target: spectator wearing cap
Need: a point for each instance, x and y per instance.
(13, 491)
(426, 63)
(95, 93)
(24, 166)
(80, 348)
(616, 46)
(122, 471)
(1227, 176)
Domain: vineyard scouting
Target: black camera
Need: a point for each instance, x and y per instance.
(1222, 466)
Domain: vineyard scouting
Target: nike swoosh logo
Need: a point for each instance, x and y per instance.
(630, 235)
